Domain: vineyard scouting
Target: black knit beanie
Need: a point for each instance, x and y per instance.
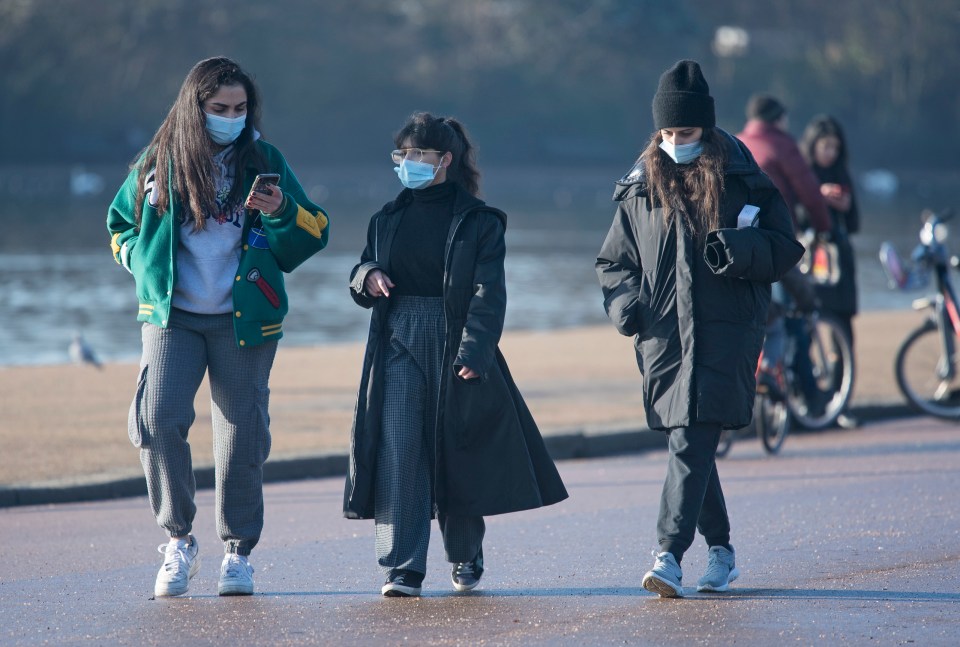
(683, 99)
(765, 108)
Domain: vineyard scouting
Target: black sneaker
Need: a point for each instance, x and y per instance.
(466, 575)
(402, 584)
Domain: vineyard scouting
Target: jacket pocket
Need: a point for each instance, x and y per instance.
(136, 427)
(650, 305)
(478, 410)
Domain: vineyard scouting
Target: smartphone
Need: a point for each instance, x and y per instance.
(261, 182)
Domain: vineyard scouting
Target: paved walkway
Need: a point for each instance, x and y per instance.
(67, 424)
(845, 538)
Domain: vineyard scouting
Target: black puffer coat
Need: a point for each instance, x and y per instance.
(489, 455)
(697, 309)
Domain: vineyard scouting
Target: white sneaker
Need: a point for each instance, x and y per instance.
(236, 576)
(180, 563)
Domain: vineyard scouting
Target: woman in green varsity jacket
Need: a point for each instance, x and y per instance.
(208, 257)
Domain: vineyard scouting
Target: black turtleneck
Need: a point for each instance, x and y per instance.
(417, 252)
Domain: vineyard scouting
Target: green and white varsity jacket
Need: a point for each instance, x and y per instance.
(271, 245)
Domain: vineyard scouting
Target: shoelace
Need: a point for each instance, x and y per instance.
(465, 568)
(176, 556)
(716, 572)
(661, 560)
(715, 566)
(237, 566)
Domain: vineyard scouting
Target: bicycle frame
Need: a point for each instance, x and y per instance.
(933, 253)
(925, 365)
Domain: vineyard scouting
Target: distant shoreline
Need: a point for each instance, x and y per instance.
(286, 343)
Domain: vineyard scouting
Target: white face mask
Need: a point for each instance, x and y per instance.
(225, 130)
(684, 153)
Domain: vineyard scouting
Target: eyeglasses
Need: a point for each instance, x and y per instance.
(412, 154)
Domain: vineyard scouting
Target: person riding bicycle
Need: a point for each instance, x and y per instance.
(778, 155)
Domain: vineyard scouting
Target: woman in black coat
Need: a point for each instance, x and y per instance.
(825, 149)
(699, 235)
(833, 260)
(440, 429)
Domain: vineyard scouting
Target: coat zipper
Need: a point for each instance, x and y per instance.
(443, 368)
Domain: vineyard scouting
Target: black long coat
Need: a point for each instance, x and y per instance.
(697, 309)
(489, 457)
(841, 298)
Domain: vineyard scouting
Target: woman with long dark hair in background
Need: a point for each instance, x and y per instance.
(825, 148)
(833, 260)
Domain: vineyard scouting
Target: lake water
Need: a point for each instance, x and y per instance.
(550, 284)
(46, 296)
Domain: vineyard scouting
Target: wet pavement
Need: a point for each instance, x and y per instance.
(845, 538)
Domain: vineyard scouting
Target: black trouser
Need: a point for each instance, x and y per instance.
(692, 499)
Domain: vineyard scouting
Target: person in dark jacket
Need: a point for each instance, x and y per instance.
(440, 429)
(833, 267)
(825, 148)
(699, 235)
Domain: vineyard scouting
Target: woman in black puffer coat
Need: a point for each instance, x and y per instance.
(699, 235)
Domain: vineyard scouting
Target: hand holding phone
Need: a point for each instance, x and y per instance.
(265, 195)
(836, 195)
(262, 181)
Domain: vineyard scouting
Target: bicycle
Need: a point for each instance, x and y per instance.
(771, 415)
(783, 397)
(926, 363)
(815, 402)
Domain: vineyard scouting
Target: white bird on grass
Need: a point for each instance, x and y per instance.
(81, 353)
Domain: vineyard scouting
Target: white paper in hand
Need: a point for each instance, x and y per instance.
(748, 216)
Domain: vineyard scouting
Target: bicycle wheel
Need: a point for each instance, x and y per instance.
(923, 375)
(831, 359)
(772, 419)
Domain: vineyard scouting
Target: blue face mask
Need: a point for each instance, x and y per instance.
(224, 130)
(684, 153)
(415, 175)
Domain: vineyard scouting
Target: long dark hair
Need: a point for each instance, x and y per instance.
(181, 152)
(692, 191)
(423, 130)
(819, 127)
